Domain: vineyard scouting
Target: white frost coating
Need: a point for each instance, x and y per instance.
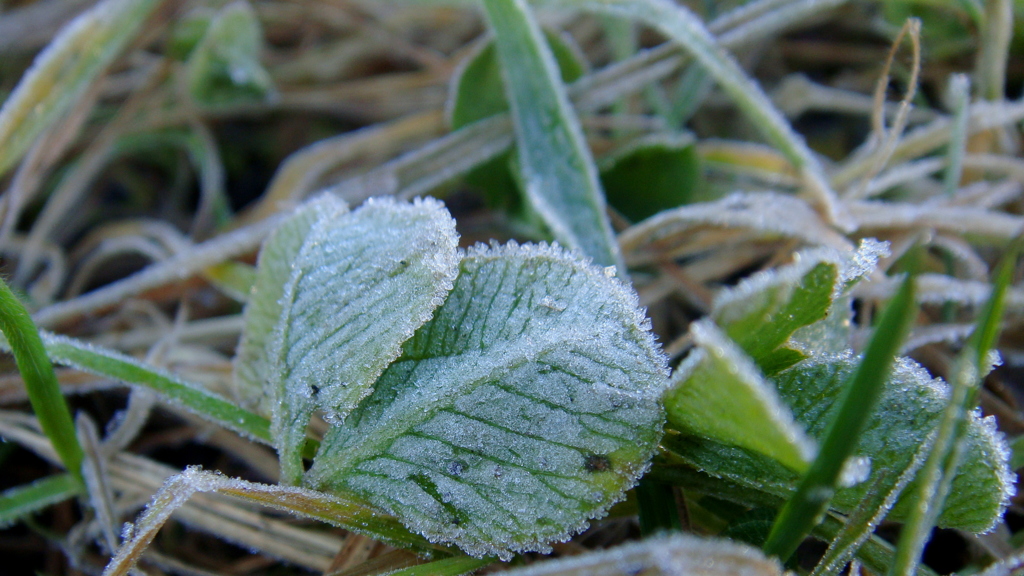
(774, 215)
(337, 293)
(263, 307)
(676, 555)
(718, 381)
(855, 470)
(864, 261)
(1001, 450)
(852, 266)
(954, 334)
(523, 409)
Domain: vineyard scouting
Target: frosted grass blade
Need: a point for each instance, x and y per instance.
(193, 397)
(64, 70)
(21, 501)
(311, 341)
(818, 485)
(338, 510)
(684, 27)
(667, 556)
(862, 521)
(41, 383)
(445, 567)
(557, 170)
(524, 408)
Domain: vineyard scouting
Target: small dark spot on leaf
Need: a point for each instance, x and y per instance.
(597, 463)
(456, 467)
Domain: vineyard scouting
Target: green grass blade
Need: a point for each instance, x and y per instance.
(984, 337)
(687, 29)
(40, 381)
(557, 170)
(804, 510)
(970, 367)
(103, 362)
(24, 500)
(64, 70)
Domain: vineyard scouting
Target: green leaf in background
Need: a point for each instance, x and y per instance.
(525, 407)
(763, 312)
(718, 393)
(674, 555)
(653, 174)
(188, 30)
(343, 290)
(1017, 458)
(478, 91)
(555, 166)
(224, 69)
(907, 412)
(751, 527)
(478, 88)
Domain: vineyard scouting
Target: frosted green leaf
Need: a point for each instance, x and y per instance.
(830, 335)
(344, 291)
(908, 411)
(719, 393)
(763, 312)
(676, 555)
(224, 69)
(524, 408)
(263, 310)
